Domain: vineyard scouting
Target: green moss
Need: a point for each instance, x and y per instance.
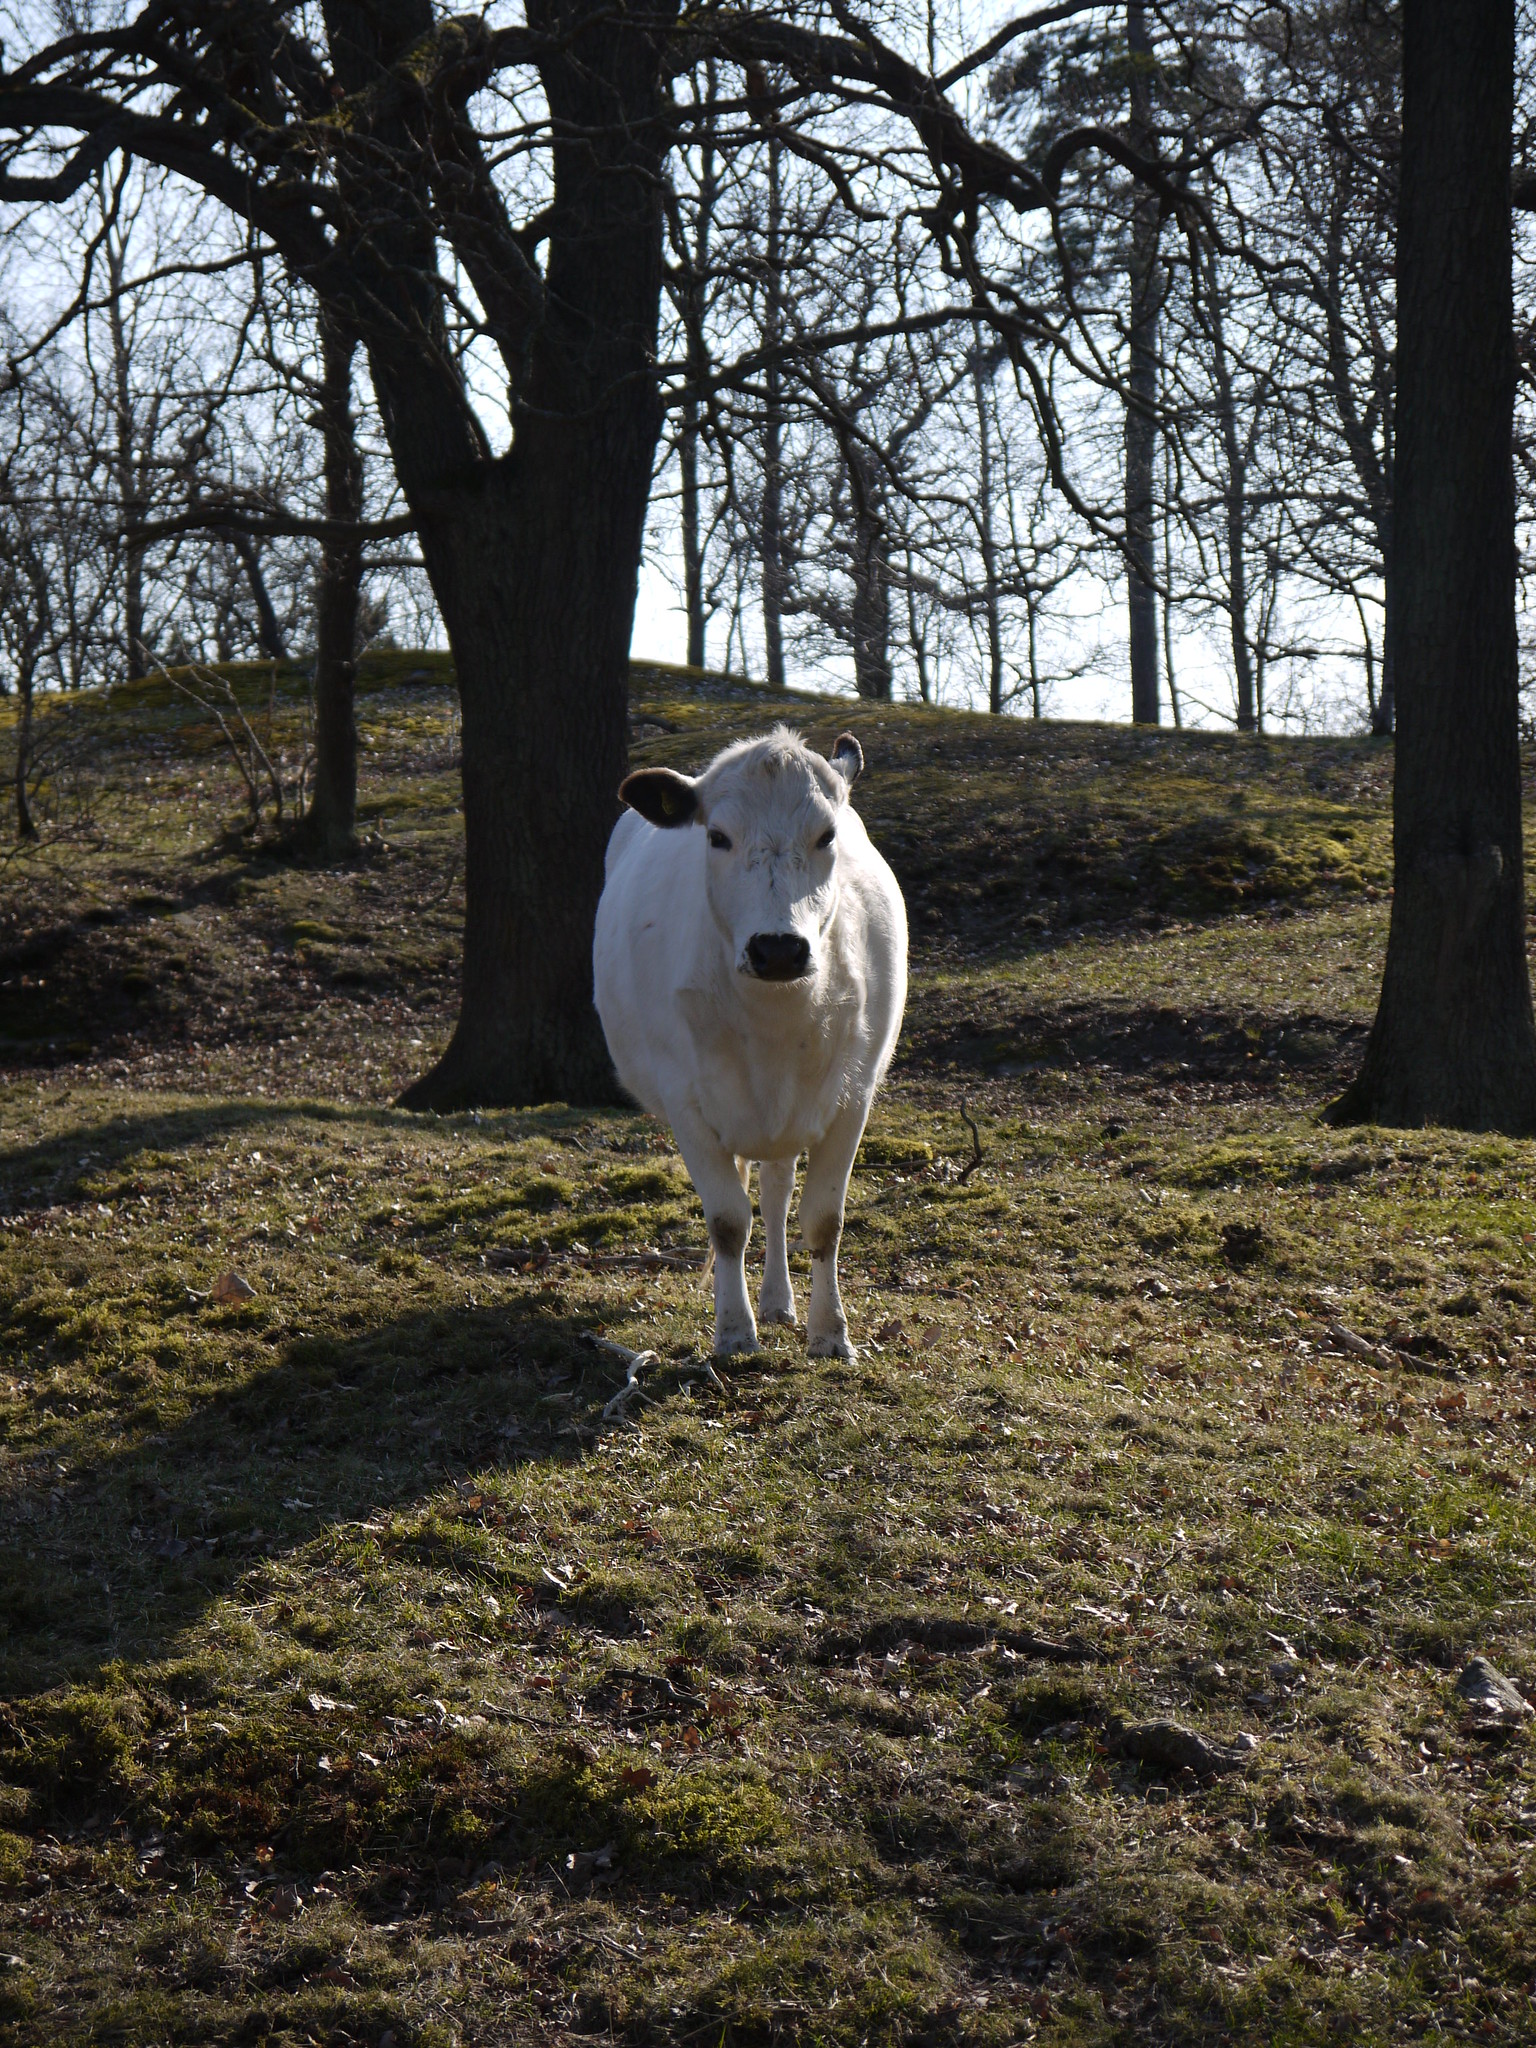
(73, 1747)
(713, 1817)
(884, 1150)
(14, 1853)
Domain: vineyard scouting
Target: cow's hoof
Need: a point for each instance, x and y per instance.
(784, 1316)
(731, 1343)
(831, 1344)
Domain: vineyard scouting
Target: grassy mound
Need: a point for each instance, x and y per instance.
(367, 1673)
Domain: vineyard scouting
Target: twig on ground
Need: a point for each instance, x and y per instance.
(974, 1161)
(633, 1361)
(709, 1371)
(1358, 1347)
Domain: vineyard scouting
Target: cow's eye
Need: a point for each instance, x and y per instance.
(719, 842)
(825, 840)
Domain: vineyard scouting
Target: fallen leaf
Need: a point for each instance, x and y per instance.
(636, 1778)
(230, 1288)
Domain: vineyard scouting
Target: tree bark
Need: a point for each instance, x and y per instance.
(1384, 713)
(985, 533)
(1249, 716)
(269, 634)
(1453, 1041)
(1373, 467)
(1141, 411)
(692, 525)
(26, 826)
(132, 501)
(1168, 665)
(871, 566)
(330, 825)
(693, 294)
(774, 579)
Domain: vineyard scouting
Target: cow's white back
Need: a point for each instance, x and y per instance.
(750, 972)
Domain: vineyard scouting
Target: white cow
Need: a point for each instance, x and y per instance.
(751, 967)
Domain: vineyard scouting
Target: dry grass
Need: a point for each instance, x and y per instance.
(361, 1678)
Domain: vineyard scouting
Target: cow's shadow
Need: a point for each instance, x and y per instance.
(110, 1559)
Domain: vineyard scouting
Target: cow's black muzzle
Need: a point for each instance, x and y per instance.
(778, 956)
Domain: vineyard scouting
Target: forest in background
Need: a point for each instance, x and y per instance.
(1130, 438)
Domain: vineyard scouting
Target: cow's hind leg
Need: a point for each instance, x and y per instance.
(821, 1228)
(775, 1189)
(728, 1215)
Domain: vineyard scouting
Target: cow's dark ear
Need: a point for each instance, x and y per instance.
(847, 757)
(661, 795)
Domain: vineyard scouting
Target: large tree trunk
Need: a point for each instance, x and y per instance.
(534, 558)
(1454, 1042)
(535, 575)
(1141, 410)
(331, 822)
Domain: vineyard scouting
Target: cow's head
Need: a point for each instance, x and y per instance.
(769, 810)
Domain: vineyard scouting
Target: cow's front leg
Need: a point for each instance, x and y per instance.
(821, 1227)
(728, 1216)
(775, 1190)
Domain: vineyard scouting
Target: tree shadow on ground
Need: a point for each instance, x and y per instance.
(112, 1558)
(1197, 1042)
(48, 1171)
(78, 986)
